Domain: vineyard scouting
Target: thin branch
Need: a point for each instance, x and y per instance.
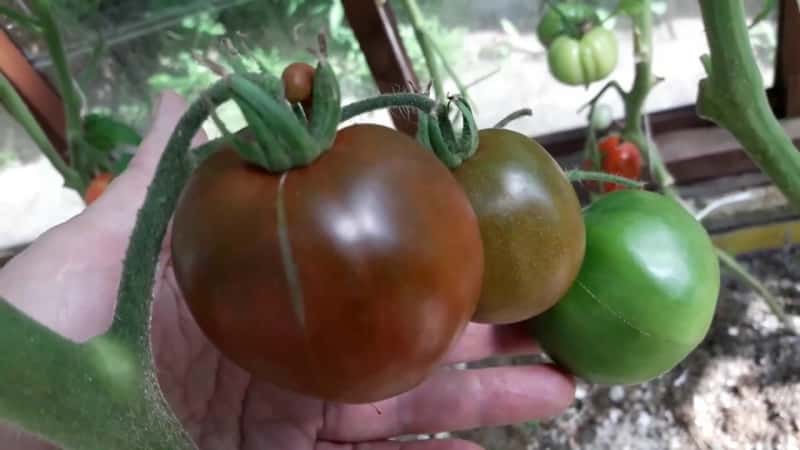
(729, 262)
(427, 47)
(17, 108)
(513, 116)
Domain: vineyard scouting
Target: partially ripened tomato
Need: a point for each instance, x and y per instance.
(348, 279)
(531, 225)
(96, 187)
(645, 294)
(620, 158)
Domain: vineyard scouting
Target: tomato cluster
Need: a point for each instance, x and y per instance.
(350, 278)
(579, 49)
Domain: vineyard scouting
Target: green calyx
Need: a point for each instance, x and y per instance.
(435, 129)
(282, 138)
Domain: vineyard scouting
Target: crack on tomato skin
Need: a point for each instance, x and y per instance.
(287, 258)
(624, 320)
(612, 311)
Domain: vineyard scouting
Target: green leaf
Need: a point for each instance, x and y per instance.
(631, 7)
(121, 163)
(106, 133)
(766, 9)
(19, 18)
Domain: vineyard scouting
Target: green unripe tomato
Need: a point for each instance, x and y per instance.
(580, 62)
(644, 297)
(553, 25)
(601, 116)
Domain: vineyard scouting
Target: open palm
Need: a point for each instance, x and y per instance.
(68, 281)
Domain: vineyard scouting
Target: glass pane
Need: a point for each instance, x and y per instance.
(496, 42)
(124, 52)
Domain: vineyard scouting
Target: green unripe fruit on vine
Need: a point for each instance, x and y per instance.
(582, 61)
(644, 297)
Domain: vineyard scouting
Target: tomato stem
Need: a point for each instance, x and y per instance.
(403, 100)
(426, 45)
(16, 107)
(583, 175)
(740, 272)
(733, 96)
(281, 141)
(513, 116)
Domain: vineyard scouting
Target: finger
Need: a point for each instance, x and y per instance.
(116, 209)
(171, 107)
(481, 341)
(443, 444)
(456, 400)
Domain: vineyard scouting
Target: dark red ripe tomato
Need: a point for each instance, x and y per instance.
(347, 280)
(531, 224)
(298, 82)
(620, 158)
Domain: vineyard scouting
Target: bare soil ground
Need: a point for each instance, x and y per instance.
(739, 390)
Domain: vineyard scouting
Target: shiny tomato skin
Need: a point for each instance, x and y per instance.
(387, 254)
(531, 225)
(96, 187)
(645, 295)
(620, 158)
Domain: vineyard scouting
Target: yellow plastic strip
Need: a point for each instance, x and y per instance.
(770, 236)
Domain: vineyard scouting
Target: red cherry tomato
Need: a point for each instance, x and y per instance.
(620, 158)
(96, 187)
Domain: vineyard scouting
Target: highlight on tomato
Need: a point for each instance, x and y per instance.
(645, 295)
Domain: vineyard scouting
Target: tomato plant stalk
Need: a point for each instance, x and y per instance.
(108, 384)
(72, 102)
(733, 96)
(731, 99)
(16, 107)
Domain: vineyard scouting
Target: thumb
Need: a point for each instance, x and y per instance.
(118, 205)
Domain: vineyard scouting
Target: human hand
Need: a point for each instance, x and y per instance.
(68, 281)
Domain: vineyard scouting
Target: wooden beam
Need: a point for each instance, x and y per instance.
(697, 154)
(374, 25)
(40, 96)
(787, 67)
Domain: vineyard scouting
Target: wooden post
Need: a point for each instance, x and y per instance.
(787, 68)
(35, 90)
(374, 24)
